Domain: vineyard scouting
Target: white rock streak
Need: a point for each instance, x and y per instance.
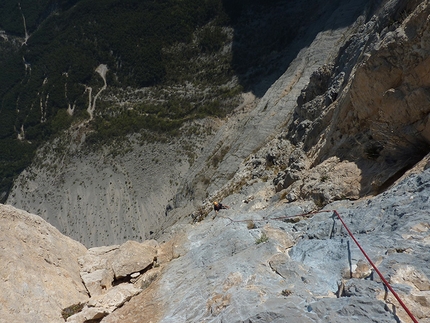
(101, 69)
(25, 26)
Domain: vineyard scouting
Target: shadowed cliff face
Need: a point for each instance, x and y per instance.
(268, 35)
(369, 108)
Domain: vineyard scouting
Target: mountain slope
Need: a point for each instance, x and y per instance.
(207, 169)
(51, 53)
(313, 135)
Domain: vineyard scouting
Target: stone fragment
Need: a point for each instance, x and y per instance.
(87, 314)
(135, 275)
(102, 305)
(96, 269)
(114, 298)
(98, 281)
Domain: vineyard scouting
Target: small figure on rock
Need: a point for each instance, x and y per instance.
(219, 206)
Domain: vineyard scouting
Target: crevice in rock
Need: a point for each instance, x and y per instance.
(86, 289)
(129, 278)
(71, 310)
(95, 320)
(275, 271)
(340, 289)
(390, 181)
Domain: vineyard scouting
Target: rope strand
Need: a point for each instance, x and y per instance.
(376, 269)
(353, 238)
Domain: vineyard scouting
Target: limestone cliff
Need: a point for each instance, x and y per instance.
(247, 264)
(369, 108)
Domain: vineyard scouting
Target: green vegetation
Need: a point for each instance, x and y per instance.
(71, 310)
(174, 48)
(144, 43)
(263, 238)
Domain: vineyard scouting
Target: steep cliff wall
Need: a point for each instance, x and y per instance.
(344, 123)
(119, 192)
(381, 118)
(362, 120)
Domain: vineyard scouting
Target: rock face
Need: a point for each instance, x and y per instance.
(288, 265)
(48, 277)
(368, 108)
(39, 272)
(289, 268)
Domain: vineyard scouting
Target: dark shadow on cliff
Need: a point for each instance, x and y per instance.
(269, 34)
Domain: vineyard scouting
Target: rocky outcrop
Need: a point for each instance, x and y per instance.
(113, 275)
(39, 275)
(128, 190)
(102, 305)
(368, 108)
(48, 277)
(287, 265)
(96, 269)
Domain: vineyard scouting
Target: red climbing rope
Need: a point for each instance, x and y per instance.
(356, 242)
(376, 269)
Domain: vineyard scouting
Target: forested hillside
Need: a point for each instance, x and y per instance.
(51, 71)
(167, 62)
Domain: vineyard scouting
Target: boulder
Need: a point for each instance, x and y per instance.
(96, 269)
(133, 256)
(97, 258)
